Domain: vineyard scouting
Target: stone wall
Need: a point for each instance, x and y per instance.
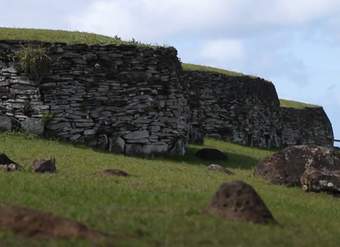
(137, 100)
(125, 98)
(246, 110)
(240, 109)
(306, 126)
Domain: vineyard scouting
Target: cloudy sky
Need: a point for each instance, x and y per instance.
(294, 43)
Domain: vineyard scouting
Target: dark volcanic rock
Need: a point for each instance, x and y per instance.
(33, 223)
(115, 172)
(210, 154)
(7, 164)
(219, 168)
(316, 180)
(287, 166)
(43, 166)
(239, 201)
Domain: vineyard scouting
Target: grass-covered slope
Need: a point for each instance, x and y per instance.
(59, 36)
(295, 104)
(195, 67)
(161, 204)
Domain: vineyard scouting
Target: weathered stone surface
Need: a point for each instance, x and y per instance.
(44, 166)
(33, 126)
(125, 99)
(96, 94)
(246, 110)
(33, 223)
(6, 123)
(287, 166)
(306, 126)
(321, 180)
(219, 168)
(239, 201)
(211, 154)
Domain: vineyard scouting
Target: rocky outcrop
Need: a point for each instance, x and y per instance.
(239, 201)
(126, 99)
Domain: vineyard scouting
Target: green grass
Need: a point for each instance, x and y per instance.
(295, 104)
(161, 204)
(194, 67)
(61, 36)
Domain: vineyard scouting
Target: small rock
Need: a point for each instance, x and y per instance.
(8, 165)
(115, 172)
(211, 154)
(239, 201)
(44, 166)
(219, 168)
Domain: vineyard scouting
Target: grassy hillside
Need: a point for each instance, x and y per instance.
(161, 204)
(59, 36)
(295, 104)
(195, 67)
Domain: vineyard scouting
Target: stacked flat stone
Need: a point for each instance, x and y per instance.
(137, 100)
(124, 98)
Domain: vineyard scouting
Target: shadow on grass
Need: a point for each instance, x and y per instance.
(234, 160)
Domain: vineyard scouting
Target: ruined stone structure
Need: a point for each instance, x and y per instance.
(137, 100)
(125, 99)
(306, 126)
(246, 110)
(240, 109)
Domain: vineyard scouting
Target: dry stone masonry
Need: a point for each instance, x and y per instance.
(138, 100)
(241, 109)
(125, 99)
(246, 110)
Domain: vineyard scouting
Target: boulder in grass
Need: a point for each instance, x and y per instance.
(44, 166)
(316, 180)
(288, 165)
(239, 201)
(211, 154)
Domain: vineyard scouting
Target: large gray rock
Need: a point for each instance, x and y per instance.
(33, 126)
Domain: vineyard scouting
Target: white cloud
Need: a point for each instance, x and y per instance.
(159, 19)
(224, 51)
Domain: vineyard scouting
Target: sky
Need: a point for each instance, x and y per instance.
(293, 43)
